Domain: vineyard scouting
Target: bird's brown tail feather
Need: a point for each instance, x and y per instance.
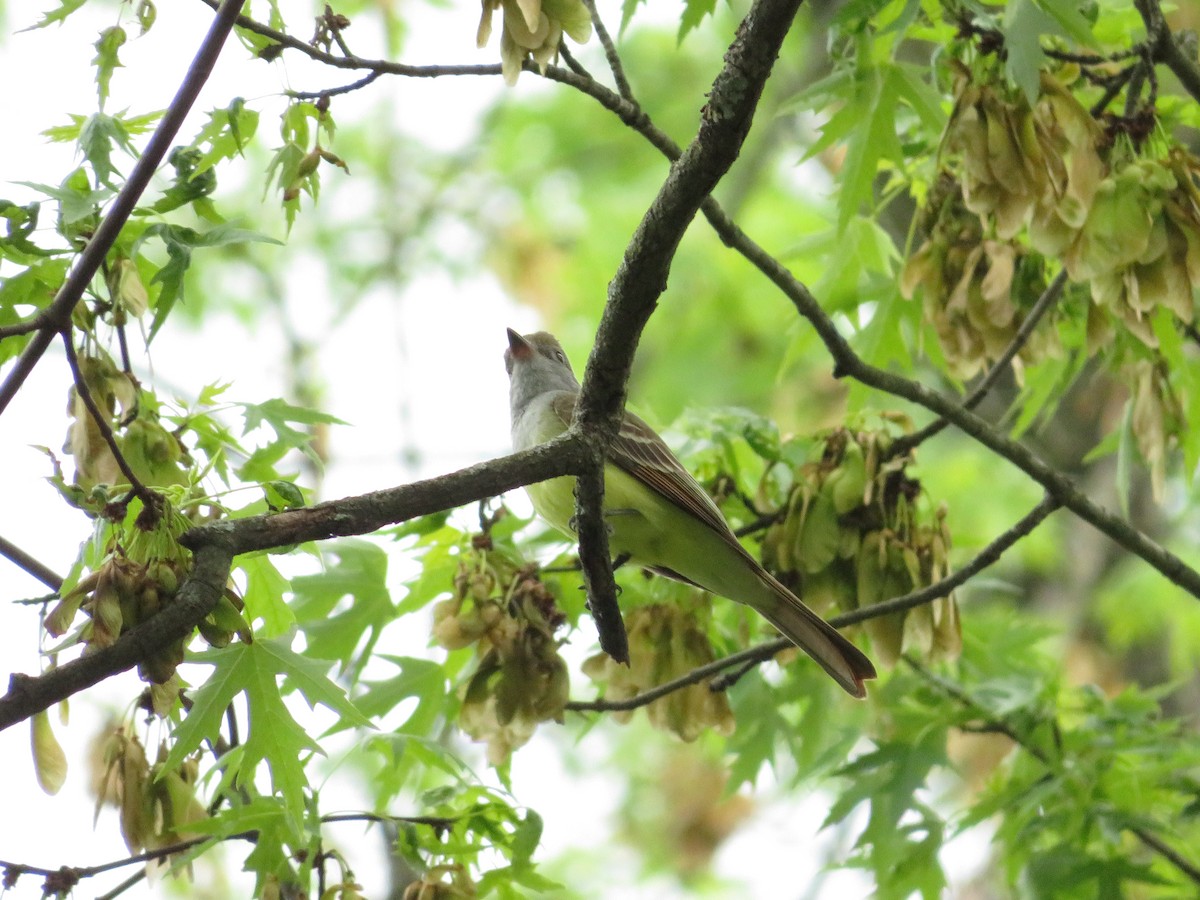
(844, 662)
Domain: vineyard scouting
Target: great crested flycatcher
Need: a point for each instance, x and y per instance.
(658, 516)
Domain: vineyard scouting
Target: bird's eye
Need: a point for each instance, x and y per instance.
(560, 356)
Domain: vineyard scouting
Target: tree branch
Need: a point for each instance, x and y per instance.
(75, 874)
(214, 545)
(641, 277)
(37, 569)
(369, 78)
(1049, 297)
(152, 502)
(58, 313)
(610, 52)
(25, 326)
(196, 599)
(1164, 47)
(365, 513)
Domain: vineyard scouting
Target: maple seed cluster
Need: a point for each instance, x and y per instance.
(122, 593)
(154, 455)
(520, 680)
(533, 29)
(666, 642)
(851, 537)
(971, 286)
(435, 886)
(1047, 178)
(156, 803)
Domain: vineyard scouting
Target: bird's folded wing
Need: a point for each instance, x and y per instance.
(638, 450)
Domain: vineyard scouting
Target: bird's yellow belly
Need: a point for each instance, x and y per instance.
(643, 526)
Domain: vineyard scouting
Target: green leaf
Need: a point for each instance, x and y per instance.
(694, 12)
(77, 202)
(226, 134)
(628, 8)
(59, 14)
(179, 242)
(867, 125)
(26, 293)
(97, 137)
(420, 678)
(924, 99)
(273, 735)
(20, 225)
(266, 588)
(526, 837)
(1070, 19)
(343, 609)
(280, 416)
(106, 62)
(190, 184)
(1023, 26)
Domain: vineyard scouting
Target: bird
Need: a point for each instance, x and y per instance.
(658, 516)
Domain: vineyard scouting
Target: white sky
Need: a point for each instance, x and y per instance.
(454, 331)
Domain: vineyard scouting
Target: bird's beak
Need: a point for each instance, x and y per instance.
(518, 346)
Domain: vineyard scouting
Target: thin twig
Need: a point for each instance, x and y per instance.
(136, 878)
(26, 326)
(1165, 47)
(1049, 297)
(1092, 59)
(1113, 87)
(38, 570)
(438, 823)
(58, 314)
(762, 652)
(150, 500)
(763, 521)
(333, 92)
(610, 52)
(756, 654)
(123, 343)
(572, 63)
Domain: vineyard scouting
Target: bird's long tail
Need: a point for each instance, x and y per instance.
(844, 662)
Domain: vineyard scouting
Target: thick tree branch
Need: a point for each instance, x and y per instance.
(214, 546)
(58, 314)
(365, 513)
(641, 277)
(196, 599)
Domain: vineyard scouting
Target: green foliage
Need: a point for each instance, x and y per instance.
(926, 169)
(255, 670)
